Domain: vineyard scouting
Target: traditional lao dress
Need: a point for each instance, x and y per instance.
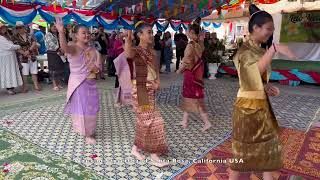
(150, 133)
(82, 94)
(193, 85)
(255, 129)
(124, 90)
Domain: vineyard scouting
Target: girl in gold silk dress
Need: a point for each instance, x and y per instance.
(193, 85)
(255, 129)
(150, 133)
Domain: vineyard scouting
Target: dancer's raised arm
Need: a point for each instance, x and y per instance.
(69, 49)
(128, 50)
(266, 59)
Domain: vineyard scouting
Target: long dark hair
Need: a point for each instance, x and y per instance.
(268, 44)
(258, 17)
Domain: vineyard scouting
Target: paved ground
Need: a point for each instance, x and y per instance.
(39, 118)
(166, 81)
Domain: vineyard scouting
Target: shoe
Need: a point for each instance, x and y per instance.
(11, 92)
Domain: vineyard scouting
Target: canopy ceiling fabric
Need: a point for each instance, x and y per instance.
(167, 9)
(185, 10)
(278, 7)
(287, 6)
(238, 14)
(79, 4)
(117, 13)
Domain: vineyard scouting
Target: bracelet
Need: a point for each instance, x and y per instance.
(274, 47)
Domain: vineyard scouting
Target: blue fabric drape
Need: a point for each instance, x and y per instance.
(10, 19)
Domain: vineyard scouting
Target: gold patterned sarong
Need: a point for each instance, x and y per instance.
(255, 136)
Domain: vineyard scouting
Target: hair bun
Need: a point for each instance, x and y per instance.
(253, 9)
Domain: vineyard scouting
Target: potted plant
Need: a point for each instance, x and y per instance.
(239, 42)
(214, 58)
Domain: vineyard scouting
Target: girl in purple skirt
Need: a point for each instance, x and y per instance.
(82, 94)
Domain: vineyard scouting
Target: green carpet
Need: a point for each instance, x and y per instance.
(300, 65)
(21, 160)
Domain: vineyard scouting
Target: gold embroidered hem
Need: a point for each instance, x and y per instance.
(193, 105)
(255, 136)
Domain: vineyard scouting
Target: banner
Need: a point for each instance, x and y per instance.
(302, 27)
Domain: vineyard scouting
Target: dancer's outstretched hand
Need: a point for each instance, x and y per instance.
(59, 24)
(283, 49)
(128, 36)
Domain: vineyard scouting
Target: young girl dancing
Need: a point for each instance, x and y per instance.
(82, 94)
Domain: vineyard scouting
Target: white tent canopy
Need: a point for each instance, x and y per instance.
(286, 6)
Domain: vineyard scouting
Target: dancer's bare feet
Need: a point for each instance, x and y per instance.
(184, 124)
(267, 176)
(233, 175)
(156, 161)
(90, 140)
(136, 153)
(206, 121)
(184, 121)
(206, 127)
(38, 88)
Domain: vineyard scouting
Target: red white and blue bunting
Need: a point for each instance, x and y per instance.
(127, 22)
(51, 12)
(214, 25)
(12, 14)
(26, 13)
(108, 21)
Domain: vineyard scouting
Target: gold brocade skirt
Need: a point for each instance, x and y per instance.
(150, 133)
(255, 136)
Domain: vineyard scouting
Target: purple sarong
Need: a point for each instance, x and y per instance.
(82, 94)
(83, 107)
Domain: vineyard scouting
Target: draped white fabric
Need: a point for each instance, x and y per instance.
(303, 51)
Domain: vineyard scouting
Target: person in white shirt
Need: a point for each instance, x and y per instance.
(10, 76)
